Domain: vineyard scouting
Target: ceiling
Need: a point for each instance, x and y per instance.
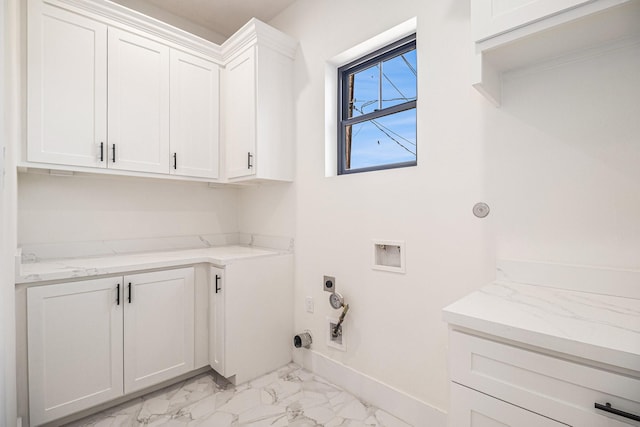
(220, 16)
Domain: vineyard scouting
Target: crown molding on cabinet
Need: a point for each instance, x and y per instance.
(253, 32)
(94, 20)
(256, 31)
(124, 16)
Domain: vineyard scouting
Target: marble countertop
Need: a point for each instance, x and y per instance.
(595, 327)
(68, 268)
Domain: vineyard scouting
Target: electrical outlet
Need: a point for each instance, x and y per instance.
(308, 304)
(329, 284)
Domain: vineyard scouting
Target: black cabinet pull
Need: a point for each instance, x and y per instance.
(113, 150)
(218, 289)
(607, 408)
(102, 151)
(249, 158)
(118, 294)
(175, 161)
(129, 292)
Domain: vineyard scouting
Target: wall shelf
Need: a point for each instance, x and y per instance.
(582, 30)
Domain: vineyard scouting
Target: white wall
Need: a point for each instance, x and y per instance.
(557, 163)
(564, 162)
(55, 209)
(394, 330)
(9, 137)
(160, 14)
(5, 284)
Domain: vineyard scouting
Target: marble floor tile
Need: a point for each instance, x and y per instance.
(288, 397)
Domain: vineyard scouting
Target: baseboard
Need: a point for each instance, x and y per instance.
(370, 390)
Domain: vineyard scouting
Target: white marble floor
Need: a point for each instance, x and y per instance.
(290, 396)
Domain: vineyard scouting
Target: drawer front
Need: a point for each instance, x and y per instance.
(471, 408)
(563, 390)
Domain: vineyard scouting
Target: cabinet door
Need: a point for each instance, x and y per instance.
(194, 115)
(66, 87)
(158, 327)
(493, 17)
(470, 408)
(258, 316)
(240, 115)
(138, 103)
(216, 320)
(75, 346)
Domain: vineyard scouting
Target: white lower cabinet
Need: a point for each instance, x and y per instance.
(475, 409)
(158, 327)
(92, 341)
(498, 384)
(251, 317)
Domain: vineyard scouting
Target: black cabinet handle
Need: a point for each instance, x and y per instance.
(102, 151)
(175, 161)
(118, 294)
(249, 158)
(607, 408)
(129, 292)
(218, 289)
(113, 150)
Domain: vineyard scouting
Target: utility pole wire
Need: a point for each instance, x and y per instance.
(395, 133)
(391, 137)
(394, 86)
(413, 70)
(385, 130)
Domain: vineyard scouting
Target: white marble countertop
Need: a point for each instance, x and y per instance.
(68, 268)
(595, 327)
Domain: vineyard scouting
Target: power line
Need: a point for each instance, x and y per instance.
(394, 86)
(391, 137)
(413, 70)
(395, 133)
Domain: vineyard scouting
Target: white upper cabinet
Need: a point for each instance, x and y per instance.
(240, 115)
(257, 104)
(511, 35)
(67, 88)
(194, 115)
(138, 103)
(113, 92)
(493, 17)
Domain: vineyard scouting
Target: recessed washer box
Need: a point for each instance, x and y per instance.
(389, 255)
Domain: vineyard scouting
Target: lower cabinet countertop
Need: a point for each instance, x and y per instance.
(600, 328)
(70, 268)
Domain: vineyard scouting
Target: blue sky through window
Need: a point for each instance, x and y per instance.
(391, 138)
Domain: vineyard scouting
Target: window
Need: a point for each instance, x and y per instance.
(377, 109)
